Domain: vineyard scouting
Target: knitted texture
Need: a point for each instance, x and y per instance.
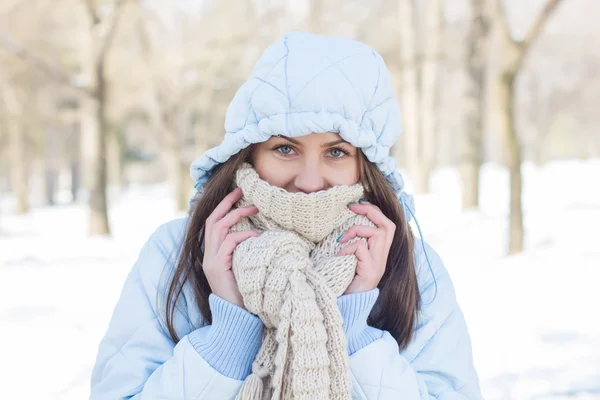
(290, 277)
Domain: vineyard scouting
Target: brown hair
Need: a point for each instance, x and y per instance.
(398, 303)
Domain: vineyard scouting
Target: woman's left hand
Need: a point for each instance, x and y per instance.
(372, 255)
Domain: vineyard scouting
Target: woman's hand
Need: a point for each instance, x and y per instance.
(372, 256)
(219, 245)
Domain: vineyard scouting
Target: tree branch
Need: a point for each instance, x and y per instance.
(499, 14)
(538, 25)
(144, 36)
(55, 72)
(91, 8)
(112, 28)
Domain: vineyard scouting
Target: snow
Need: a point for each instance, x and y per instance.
(533, 318)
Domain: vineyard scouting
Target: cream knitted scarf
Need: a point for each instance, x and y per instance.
(290, 277)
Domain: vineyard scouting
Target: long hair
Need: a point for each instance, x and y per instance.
(397, 307)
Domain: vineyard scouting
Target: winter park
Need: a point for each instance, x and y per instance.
(112, 111)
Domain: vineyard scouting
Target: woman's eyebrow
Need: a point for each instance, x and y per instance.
(289, 139)
(328, 144)
(333, 143)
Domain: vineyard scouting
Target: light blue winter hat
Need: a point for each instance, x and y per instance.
(306, 83)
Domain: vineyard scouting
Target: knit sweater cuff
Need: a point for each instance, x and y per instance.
(231, 343)
(355, 309)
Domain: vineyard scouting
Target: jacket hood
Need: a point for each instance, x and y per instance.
(306, 83)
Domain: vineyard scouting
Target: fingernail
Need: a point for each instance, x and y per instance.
(352, 203)
(363, 201)
(340, 237)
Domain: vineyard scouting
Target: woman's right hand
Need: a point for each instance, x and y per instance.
(219, 245)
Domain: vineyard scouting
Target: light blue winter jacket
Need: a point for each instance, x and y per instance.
(301, 84)
(137, 359)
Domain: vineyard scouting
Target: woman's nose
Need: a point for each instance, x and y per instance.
(310, 179)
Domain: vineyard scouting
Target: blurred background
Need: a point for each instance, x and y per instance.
(104, 104)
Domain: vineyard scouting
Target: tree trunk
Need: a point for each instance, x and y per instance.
(410, 95)
(114, 159)
(472, 152)
(513, 56)
(184, 192)
(429, 107)
(102, 32)
(99, 224)
(75, 179)
(75, 159)
(19, 166)
(470, 174)
(513, 159)
(51, 167)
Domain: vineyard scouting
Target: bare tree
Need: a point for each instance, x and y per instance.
(514, 53)
(429, 107)
(228, 30)
(472, 147)
(410, 88)
(102, 31)
(419, 64)
(170, 93)
(22, 86)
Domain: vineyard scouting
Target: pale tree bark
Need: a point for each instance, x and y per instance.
(472, 149)
(19, 166)
(71, 146)
(51, 167)
(429, 101)
(410, 93)
(176, 167)
(514, 53)
(102, 31)
(75, 159)
(114, 158)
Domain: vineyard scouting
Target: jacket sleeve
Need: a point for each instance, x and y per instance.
(137, 358)
(437, 364)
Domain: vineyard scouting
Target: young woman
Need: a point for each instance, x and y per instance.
(296, 274)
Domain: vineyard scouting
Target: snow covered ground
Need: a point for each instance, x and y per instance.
(534, 319)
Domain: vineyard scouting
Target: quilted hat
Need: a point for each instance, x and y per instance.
(306, 83)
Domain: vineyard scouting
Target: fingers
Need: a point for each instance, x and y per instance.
(220, 230)
(360, 230)
(373, 212)
(224, 206)
(235, 216)
(359, 249)
(222, 218)
(233, 239)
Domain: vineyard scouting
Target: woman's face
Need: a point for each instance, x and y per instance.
(307, 164)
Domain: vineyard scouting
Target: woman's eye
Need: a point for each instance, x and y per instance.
(337, 153)
(285, 149)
